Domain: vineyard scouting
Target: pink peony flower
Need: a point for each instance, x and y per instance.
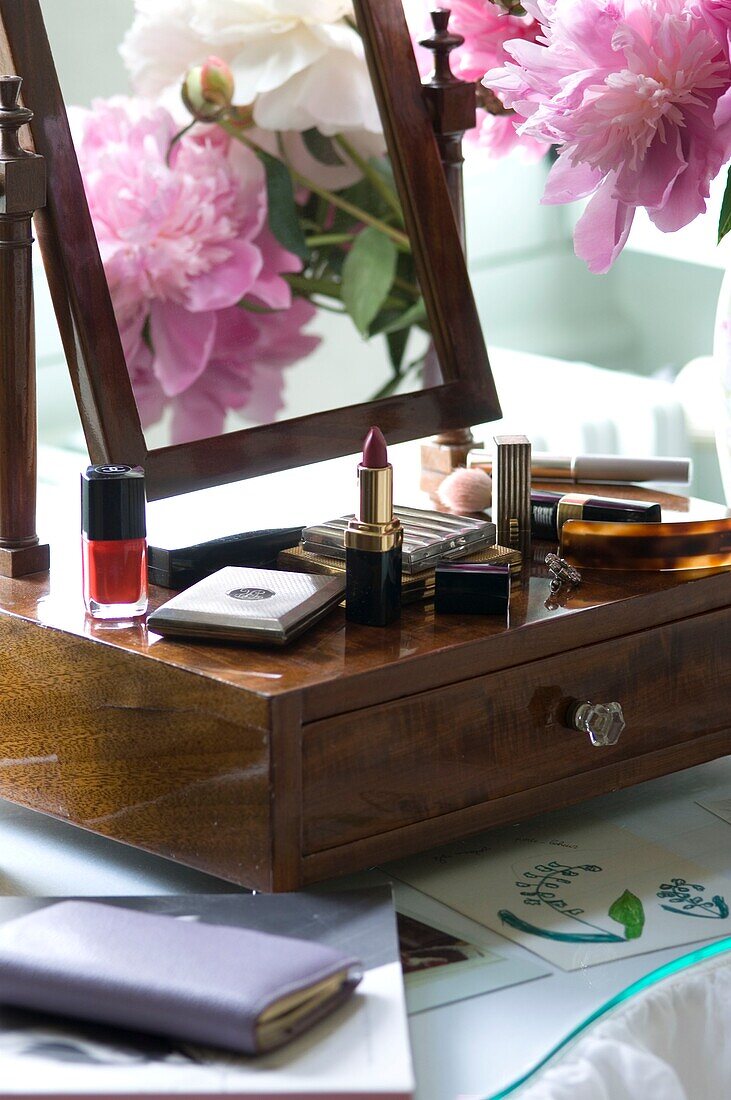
(717, 14)
(631, 91)
(485, 27)
(245, 372)
(183, 242)
(497, 135)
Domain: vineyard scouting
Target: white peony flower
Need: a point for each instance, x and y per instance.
(299, 62)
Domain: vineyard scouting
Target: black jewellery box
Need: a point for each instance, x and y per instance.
(472, 588)
(186, 565)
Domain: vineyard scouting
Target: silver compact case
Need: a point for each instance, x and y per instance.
(264, 606)
(429, 537)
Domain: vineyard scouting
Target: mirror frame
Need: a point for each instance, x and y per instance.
(88, 327)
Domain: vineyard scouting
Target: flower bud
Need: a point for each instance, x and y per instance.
(208, 89)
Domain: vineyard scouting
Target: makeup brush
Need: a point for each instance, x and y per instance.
(465, 491)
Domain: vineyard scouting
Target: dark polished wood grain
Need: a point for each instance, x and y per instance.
(355, 745)
(157, 757)
(22, 190)
(86, 318)
(521, 806)
(489, 737)
(452, 104)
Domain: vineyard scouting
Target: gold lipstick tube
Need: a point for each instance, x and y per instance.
(375, 528)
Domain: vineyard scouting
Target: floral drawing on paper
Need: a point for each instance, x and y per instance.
(544, 884)
(685, 899)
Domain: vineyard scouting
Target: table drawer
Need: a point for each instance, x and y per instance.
(427, 755)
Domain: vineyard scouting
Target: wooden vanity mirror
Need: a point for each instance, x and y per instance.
(449, 384)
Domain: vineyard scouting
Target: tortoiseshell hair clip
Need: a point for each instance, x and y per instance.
(703, 544)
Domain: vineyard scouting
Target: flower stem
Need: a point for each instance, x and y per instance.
(400, 239)
(320, 240)
(331, 309)
(176, 138)
(407, 287)
(306, 287)
(373, 176)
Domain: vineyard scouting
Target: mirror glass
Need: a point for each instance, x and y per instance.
(257, 258)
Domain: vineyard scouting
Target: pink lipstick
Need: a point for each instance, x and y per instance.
(375, 454)
(373, 542)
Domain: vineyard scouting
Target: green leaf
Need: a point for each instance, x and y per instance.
(360, 194)
(284, 219)
(415, 315)
(628, 910)
(388, 388)
(322, 148)
(397, 342)
(364, 195)
(368, 274)
(724, 222)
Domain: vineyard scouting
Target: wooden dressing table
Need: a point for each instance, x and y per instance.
(354, 746)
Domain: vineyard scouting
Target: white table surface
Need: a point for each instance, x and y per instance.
(466, 1049)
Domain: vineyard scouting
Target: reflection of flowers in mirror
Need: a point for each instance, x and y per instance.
(208, 89)
(299, 62)
(221, 232)
(184, 239)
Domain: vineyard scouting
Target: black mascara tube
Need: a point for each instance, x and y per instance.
(549, 511)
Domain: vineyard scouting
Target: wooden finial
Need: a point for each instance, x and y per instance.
(10, 92)
(451, 100)
(12, 117)
(442, 42)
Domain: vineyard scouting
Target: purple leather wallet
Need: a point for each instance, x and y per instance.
(227, 987)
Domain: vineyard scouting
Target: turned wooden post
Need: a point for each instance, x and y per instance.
(453, 106)
(22, 191)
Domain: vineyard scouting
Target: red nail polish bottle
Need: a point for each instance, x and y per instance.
(113, 541)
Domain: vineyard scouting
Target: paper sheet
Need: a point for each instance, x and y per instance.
(577, 894)
(446, 957)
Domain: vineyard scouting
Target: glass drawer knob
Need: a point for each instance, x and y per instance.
(603, 722)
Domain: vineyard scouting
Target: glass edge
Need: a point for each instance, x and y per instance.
(675, 966)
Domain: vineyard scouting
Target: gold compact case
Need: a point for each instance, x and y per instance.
(262, 606)
(414, 586)
(700, 544)
(429, 537)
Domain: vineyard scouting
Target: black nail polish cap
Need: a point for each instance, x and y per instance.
(113, 502)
